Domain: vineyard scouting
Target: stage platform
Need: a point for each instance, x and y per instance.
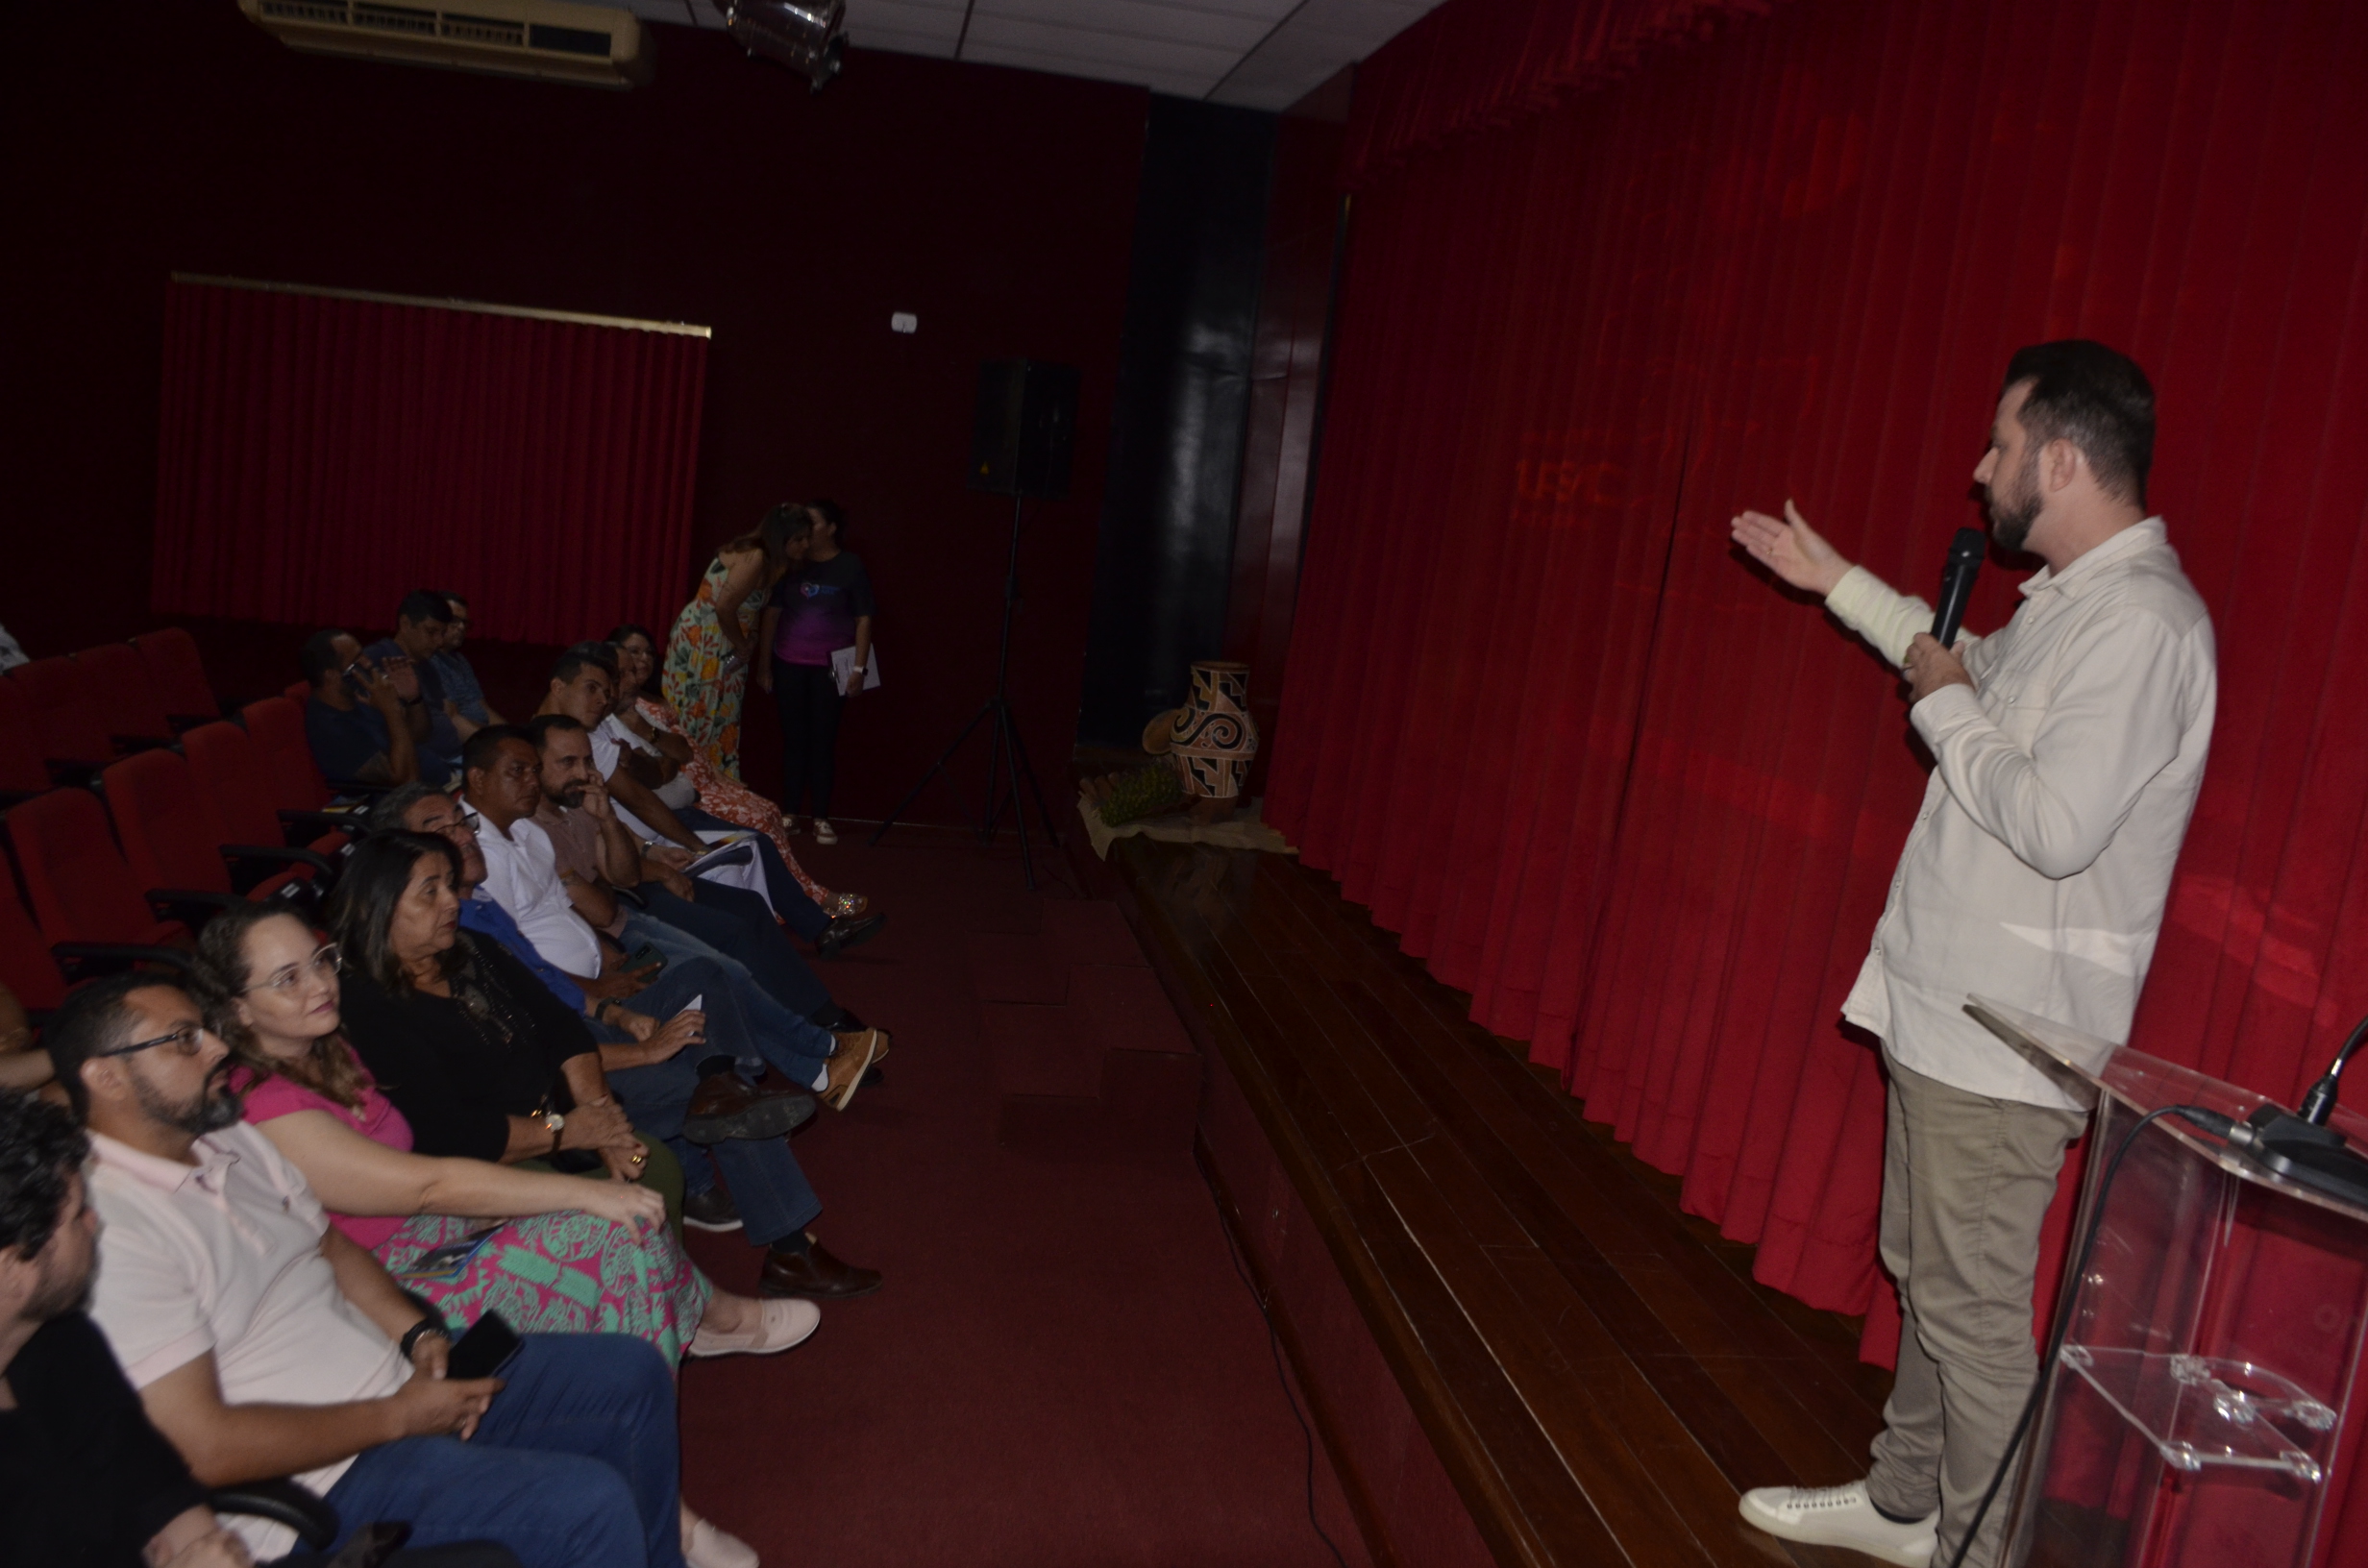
(1515, 1345)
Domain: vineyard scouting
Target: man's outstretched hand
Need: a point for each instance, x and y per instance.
(1791, 549)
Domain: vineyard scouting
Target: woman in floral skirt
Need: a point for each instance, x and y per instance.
(715, 636)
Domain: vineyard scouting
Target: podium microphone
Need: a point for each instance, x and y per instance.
(1965, 564)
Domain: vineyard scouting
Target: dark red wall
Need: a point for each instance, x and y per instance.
(996, 204)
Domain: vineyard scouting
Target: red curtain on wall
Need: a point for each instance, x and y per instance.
(1545, 723)
(321, 457)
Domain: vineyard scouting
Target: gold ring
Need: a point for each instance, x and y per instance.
(639, 1158)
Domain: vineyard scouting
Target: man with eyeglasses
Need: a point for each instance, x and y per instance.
(263, 1343)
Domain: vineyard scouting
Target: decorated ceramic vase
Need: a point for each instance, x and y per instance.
(1212, 736)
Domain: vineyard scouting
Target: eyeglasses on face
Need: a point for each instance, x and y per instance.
(188, 1040)
(320, 966)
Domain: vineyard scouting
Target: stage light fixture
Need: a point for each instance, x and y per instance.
(807, 35)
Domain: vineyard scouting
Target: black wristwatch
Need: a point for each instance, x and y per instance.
(420, 1330)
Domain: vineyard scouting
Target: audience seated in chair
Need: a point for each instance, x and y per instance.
(583, 688)
(89, 1482)
(480, 1055)
(271, 992)
(466, 696)
(355, 718)
(660, 907)
(640, 719)
(265, 1343)
(420, 629)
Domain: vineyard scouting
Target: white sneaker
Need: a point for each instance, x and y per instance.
(823, 832)
(704, 1546)
(782, 1326)
(1840, 1516)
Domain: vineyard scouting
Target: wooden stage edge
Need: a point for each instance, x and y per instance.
(1515, 1346)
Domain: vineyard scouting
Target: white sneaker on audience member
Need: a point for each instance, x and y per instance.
(823, 832)
(704, 1546)
(785, 1324)
(1840, 1516)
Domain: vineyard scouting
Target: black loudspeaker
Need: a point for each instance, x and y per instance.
(1027, 419)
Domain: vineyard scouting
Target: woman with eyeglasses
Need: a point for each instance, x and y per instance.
(553, 1252)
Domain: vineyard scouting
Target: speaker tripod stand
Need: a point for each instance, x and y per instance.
(1007, 753)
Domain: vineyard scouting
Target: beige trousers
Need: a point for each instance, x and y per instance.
(1967, 1181)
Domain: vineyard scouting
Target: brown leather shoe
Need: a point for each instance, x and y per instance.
(857, 1053)
(815, 1273)
(726, 1106)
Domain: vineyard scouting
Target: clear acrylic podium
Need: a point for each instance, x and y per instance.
(2197, 1415)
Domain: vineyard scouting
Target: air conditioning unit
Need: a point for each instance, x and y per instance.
(599, 46)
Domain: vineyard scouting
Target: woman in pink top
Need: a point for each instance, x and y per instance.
(553, 1254)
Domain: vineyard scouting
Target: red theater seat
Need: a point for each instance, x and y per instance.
(26, 966)
(118, 681)
(22, 772)
(176, 844)
(79, 888)
(229, 772)
(67, 717)
(177, 675)
(277, 726)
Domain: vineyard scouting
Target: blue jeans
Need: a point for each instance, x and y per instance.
(783, 1035)
(798, 911)
(689, 979)
(575, 1466)
(768, 1186)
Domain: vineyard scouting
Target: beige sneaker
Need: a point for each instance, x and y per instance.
(1840, 1516)
(858, 1051)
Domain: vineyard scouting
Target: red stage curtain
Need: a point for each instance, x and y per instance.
(1546, 723)
(321, 457)
(1484, 63)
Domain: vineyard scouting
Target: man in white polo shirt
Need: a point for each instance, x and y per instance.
(263, 1343)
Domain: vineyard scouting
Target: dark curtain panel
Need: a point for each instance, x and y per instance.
(1545, 722)
(319, 457)
(1166, 546)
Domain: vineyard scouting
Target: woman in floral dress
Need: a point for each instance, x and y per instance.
(715, 636)
(650, 720)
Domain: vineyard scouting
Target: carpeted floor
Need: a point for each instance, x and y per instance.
(1064, 1368)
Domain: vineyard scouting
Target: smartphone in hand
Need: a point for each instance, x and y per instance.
(489, 1345)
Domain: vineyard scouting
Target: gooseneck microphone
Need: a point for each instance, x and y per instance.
(1965, 552)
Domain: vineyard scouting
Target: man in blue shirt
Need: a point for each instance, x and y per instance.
(419, 636)
(355, 720)
(470, 710)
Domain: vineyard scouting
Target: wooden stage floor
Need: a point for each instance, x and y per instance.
(1597, 1372)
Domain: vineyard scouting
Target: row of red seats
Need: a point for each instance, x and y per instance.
(126, 869)
(61, 718)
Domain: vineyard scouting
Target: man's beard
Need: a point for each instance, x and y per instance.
(2012, 513)
(570, 799)
(55, 1297)
(215, 1107)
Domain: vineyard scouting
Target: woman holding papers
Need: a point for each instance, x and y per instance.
(821, 614)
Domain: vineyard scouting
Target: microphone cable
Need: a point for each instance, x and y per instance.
(2224, 1128)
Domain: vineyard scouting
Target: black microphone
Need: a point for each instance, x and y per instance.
(1965, 552)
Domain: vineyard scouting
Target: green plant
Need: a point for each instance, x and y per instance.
(1147, 791)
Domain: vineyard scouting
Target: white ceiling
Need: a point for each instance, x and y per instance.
(1260, 53)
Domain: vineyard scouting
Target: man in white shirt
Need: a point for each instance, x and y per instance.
(263, 1343)
(2068, 747)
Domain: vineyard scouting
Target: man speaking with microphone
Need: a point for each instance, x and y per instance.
(2068, 747)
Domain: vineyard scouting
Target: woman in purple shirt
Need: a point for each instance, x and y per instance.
(823, 607)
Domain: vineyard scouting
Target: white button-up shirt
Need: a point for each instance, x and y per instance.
(522, 873)
(2037, 869)
(224, 1257)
